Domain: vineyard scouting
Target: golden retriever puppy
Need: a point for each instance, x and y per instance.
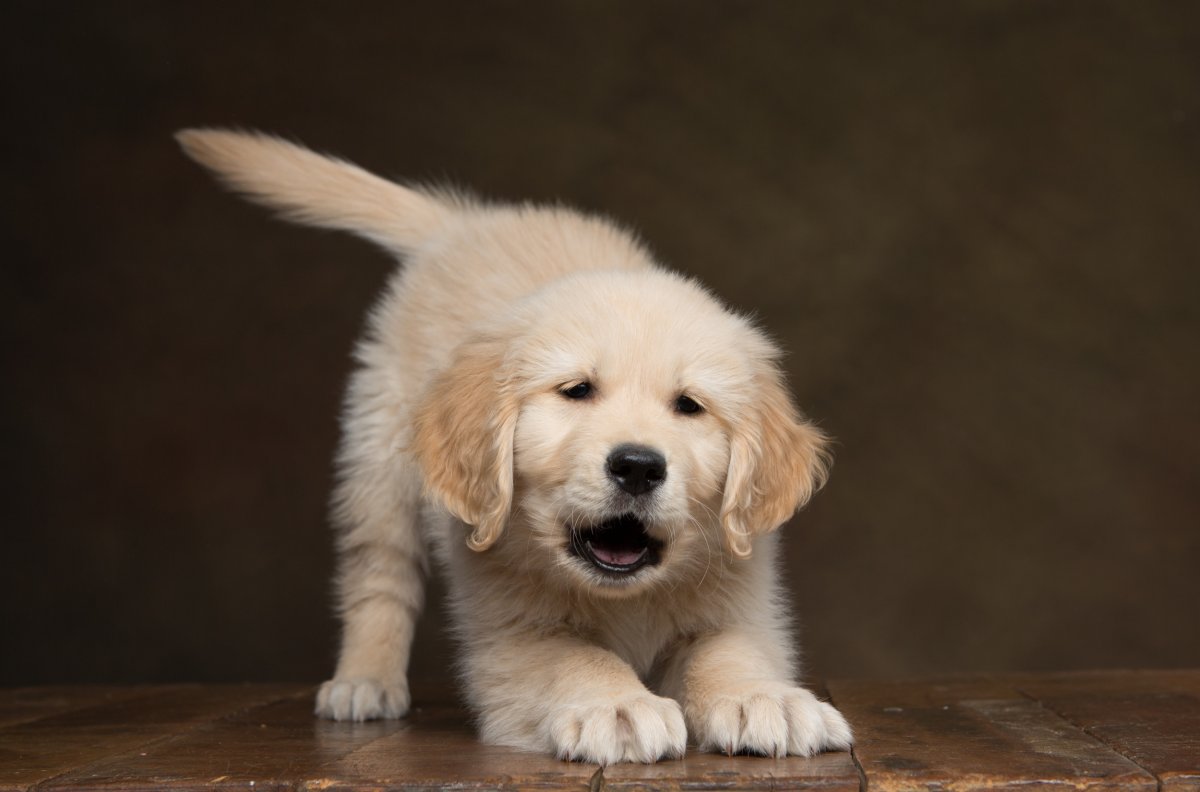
(594, 450)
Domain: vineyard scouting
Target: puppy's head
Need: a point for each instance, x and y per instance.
(627, 424)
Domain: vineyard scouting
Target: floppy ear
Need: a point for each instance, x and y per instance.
(464, 440)
(777, 460)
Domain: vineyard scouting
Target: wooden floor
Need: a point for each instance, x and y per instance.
(1091, 730)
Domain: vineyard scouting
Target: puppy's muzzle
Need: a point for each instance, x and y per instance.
(636, 469)
(618, 546)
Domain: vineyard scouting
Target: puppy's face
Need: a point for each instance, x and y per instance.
(621, 442)
(636, 431)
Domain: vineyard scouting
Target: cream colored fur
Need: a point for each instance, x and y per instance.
(458, 441)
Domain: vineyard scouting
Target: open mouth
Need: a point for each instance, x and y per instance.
(619, 546)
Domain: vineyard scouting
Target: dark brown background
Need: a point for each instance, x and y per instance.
(974, 227)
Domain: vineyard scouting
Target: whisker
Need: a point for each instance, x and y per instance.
(704, 536)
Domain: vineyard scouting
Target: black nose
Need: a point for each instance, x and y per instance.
(636, 469)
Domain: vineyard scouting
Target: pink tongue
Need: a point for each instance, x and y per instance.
(617, 557)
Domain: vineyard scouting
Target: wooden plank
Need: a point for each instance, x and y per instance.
(957, 734)
(1152, 717)
(18, 705)
(281, 746)
(973, 734)
(702, 771)
(38, 750)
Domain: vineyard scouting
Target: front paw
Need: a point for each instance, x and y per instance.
(640, 728)
(775, 720)
(361, 699)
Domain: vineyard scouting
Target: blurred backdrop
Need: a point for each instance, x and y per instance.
(973, 226)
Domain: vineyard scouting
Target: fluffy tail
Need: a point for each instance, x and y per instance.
(309, 188)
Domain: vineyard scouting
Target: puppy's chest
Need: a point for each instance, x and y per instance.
(639, 636)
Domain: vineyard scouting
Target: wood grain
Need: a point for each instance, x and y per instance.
(1152, 717)
(18, 705)
(1087, 731)
(281, 746)
(42, 749)
(973, 734)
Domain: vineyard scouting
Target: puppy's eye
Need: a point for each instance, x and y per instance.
(687, 406)
(579, 391)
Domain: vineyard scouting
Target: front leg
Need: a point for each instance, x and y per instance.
(380, 588)
(562, 695)
(738, 696)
